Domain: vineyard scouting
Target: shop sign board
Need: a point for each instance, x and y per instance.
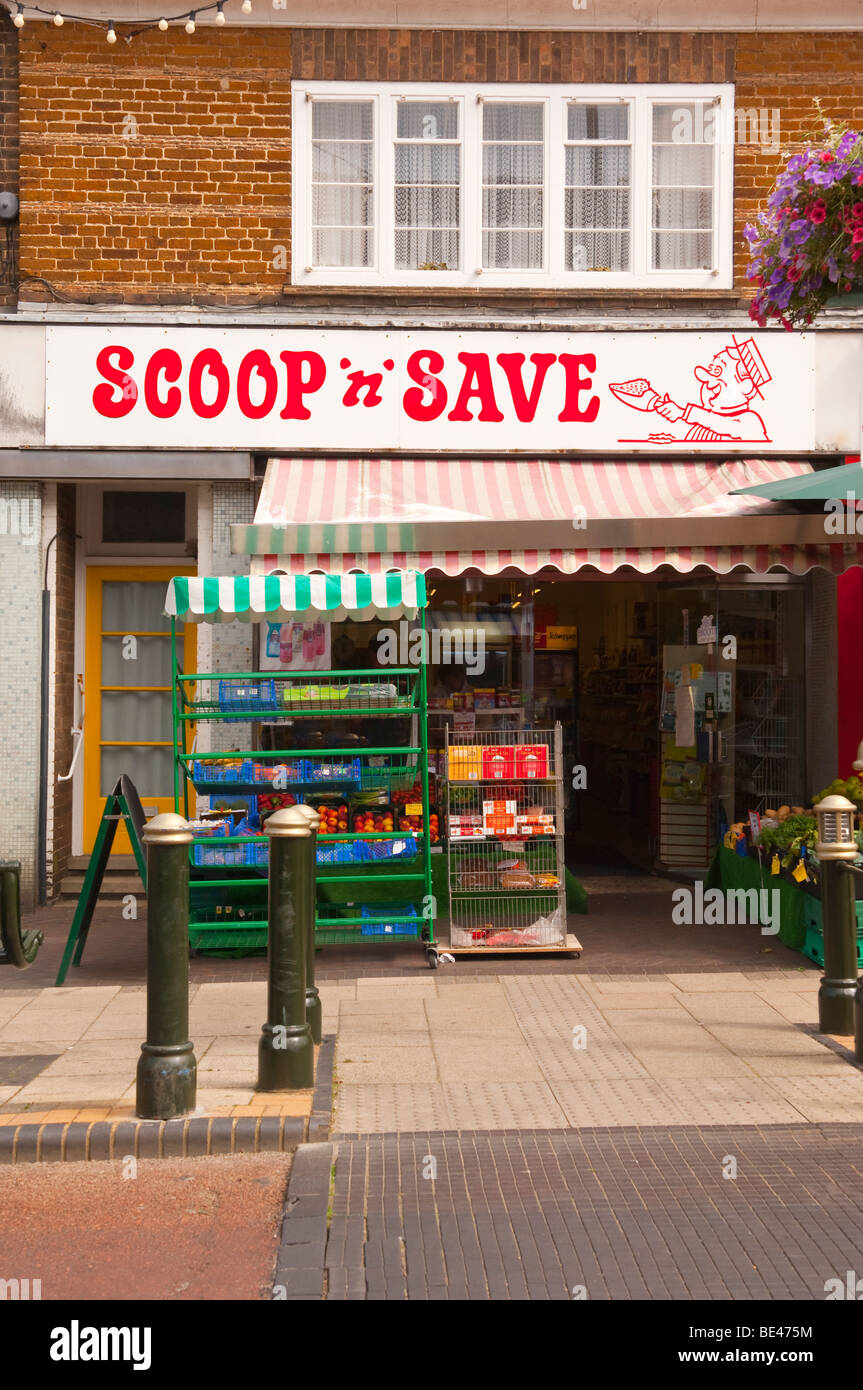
(295, 389)
(556, 638)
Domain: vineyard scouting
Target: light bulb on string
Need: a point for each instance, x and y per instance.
(246, 6)
(58, 20)
(111, 35)
(220, 13)
(18, 18)
(190, 23)
(163, 24)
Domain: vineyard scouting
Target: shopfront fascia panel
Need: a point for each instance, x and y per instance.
(70, 465)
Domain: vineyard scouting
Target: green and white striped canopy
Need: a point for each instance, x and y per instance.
(280, 597)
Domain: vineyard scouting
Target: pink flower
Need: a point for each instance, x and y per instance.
(827, 157)
(857, 237)
(855, 255)
(857, 212)
(794, 274)
(818, 211)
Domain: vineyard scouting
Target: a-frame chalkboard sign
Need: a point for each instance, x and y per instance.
(124, 804)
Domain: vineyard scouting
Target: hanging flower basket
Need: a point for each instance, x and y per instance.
(806, 249)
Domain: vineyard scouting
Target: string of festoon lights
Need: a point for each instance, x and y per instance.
(21, 12)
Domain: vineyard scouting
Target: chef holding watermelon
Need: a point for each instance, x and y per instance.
(727, 386)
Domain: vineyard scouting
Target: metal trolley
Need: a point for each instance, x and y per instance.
(228, 888)
(504, 834)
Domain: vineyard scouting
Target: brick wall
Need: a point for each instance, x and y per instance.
(64, 684)
(159, 170)
(8, 152)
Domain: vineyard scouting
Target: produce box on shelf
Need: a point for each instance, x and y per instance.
(332, 770)
(235, 770)
(377, 850)
(216, 855)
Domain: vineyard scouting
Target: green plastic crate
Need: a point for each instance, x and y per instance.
(813, 947)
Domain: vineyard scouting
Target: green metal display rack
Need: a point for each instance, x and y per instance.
(228, 899)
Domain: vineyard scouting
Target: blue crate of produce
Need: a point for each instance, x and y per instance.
(333, 770)
(232, 770)
(390, 928)
(238, 695)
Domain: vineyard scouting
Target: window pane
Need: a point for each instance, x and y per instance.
(684, 122)
(427, 249)
(510, 120)
(342, 183)
(597, 250)
(151, 770)
(427, 207)
(512, 250)
(589, 122)
(512, 207)
(348, 205)
(603, 207)
(147, 663)
(342, 161)
(512, 164)
(513, 158)
(595, 167)
(427, 194)
(146, 517)
(427, 163)
(427, 120)
(332, 120)
(682, 250)
(678, 165)
(673, 208)
(136, 715)
(342, 246)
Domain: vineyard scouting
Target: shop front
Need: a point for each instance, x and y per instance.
(567, 495)
(677, 672)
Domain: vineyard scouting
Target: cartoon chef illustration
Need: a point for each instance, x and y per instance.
(723, 413)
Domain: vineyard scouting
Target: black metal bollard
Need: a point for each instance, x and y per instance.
(286, 1055)
(313, 998)
(167, 1070)
(838, 988)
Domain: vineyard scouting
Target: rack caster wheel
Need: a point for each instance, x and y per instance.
(425, 934)
(431, 957)
(576, 955)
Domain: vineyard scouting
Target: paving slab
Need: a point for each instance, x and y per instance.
(826, 1099)
(386, 1108)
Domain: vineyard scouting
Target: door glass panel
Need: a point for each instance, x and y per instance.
(134, 607)
(150, 769)
(136, 716)
(136, 661)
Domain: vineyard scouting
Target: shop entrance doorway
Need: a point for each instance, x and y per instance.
(127, 685)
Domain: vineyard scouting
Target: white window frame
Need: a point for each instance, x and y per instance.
(555, 98)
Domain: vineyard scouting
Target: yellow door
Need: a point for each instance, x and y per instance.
(127, 687)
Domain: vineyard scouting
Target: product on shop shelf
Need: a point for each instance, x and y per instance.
(498, 817)
(465, 762)
(531, 760)
(466, 826)
(546, 879)
(517, 878)
(498, 763)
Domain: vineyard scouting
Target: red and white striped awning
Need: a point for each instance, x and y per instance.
(525, 514)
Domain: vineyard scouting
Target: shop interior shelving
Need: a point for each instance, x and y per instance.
(506, 865)
(228, 887)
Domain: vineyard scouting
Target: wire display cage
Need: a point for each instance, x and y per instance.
(504, 836)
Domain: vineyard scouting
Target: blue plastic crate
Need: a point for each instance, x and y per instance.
(295, 770)
(257, 855)
(346, 852)
(390, 928)
(333, 770)
(219, 856)
(403, 848)
(247, 695)
(237, 770)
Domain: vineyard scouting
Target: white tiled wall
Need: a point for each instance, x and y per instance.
(20, 675)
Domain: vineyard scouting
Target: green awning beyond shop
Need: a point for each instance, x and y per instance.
(281, 597)
(830, 483)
